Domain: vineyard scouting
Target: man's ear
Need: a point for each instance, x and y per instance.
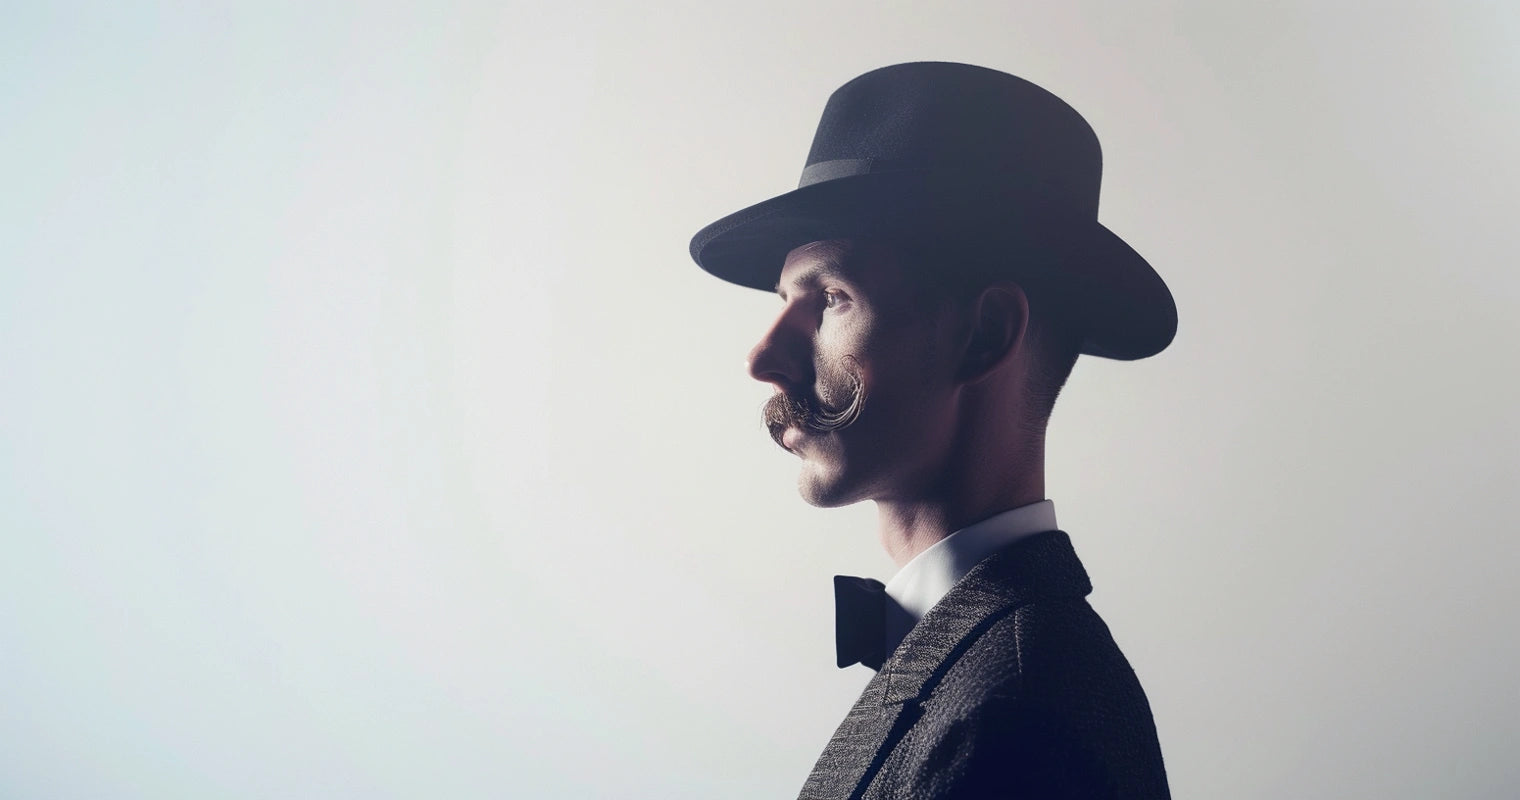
(999, 324)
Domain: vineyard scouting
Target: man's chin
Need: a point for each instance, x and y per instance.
(824, 491)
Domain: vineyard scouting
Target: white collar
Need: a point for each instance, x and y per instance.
(931, 574)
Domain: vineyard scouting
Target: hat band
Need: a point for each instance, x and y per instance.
(991, 185)
(840, 168)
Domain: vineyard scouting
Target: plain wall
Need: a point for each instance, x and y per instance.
(366, 431)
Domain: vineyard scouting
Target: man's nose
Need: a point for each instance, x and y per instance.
(783, 355)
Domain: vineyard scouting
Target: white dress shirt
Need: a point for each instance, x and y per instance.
(931, 574)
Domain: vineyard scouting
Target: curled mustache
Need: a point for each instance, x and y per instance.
(824, 414)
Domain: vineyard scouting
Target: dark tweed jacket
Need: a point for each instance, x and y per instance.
(1010, 687)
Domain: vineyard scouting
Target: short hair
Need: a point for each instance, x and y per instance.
(1056, 342)
(950, 277)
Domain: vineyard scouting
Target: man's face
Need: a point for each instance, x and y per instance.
(864, 375)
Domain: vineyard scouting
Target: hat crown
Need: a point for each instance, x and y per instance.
(991, 166)
(947, 117)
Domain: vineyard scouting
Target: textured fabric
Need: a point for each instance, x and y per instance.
(923, 581)
(1010, 687)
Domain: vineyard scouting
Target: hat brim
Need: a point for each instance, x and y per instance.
(1123, 305)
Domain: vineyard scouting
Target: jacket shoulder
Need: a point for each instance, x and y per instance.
(1041, 700)
(1055, 654)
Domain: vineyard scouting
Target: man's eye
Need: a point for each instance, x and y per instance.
(832, 298)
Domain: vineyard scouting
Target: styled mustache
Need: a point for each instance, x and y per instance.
(840, 398)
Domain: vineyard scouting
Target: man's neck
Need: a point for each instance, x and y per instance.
(994, 465)
(909, 527)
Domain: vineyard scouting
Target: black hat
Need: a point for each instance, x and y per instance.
(962, 154)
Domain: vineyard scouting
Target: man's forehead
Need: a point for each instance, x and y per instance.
(858, 261)
(827, 255)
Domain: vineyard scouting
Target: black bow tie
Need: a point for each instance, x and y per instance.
(860, 621)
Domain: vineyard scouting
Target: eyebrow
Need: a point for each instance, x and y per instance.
(813, 275)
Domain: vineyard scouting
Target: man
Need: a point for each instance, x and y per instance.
(940, 268)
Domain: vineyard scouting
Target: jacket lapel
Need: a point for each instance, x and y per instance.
(1043, 565)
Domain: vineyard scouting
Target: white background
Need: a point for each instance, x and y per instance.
(366, 431)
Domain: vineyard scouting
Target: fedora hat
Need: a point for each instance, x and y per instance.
(974, 159)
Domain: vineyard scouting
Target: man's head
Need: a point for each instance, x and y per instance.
(940, 266)
(892, 369)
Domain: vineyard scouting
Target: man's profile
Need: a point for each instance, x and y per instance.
(940, 269)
